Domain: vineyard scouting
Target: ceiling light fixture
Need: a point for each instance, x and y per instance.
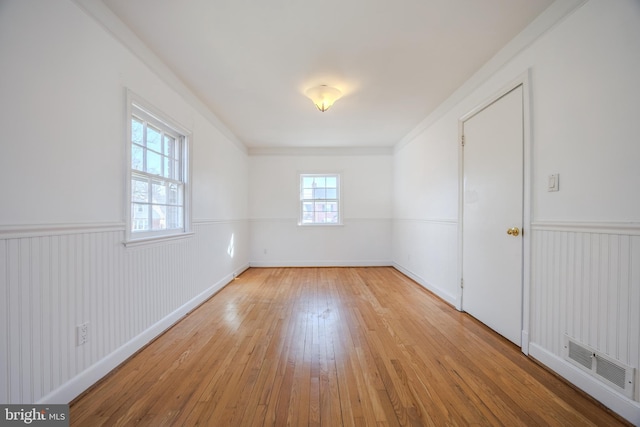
(323, 96)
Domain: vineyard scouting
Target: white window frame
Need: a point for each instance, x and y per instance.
(338, 200)
(137, 107)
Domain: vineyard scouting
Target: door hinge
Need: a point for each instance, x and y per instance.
(461, 283)
(462, 140)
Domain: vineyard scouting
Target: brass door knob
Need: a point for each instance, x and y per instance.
(513, 231)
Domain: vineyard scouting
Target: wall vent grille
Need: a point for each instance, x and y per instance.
(606, 369)
(610, 371)
(580, 355)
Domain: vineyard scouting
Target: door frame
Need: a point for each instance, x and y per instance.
(524, 81)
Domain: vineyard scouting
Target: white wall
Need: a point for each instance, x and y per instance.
(62, 114)
(62, 85)
(585, 266)
(425, 217)
(276, 238)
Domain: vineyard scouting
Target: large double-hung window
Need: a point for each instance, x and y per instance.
(320, 199)
(158, 184)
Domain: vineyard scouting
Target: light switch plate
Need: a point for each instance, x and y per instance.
(554, 182)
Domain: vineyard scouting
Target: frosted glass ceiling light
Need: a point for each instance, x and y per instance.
(323, 96)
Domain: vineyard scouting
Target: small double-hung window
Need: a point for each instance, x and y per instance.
(320, 199)
(158, 184)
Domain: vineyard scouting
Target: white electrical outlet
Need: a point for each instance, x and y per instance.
(82, 333)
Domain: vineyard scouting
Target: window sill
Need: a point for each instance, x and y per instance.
(144, 241)
(320, 225)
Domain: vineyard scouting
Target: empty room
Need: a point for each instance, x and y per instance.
(356, 212)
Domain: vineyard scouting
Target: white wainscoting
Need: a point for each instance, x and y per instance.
(427, 251)
(53, 278)
(586, 283)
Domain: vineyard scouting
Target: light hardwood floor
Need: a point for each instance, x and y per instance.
(332, 347)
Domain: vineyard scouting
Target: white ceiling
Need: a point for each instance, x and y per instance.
(250, 61)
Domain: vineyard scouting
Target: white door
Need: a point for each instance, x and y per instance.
(492, 215)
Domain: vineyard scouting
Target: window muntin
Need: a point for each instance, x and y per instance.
(320, 199)
(158, 177)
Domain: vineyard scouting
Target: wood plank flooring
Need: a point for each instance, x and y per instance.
(332, 347)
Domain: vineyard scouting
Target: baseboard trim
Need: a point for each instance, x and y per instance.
(524, 339)
(316, 263)
(621, 405)
(84, 380)
(447, 297)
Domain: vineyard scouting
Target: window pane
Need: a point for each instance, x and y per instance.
(139, 217)
(139, 190)
(169, 146)
(307, 213)
(137, 129)
(319, 193)
(307, 182)
(170, 168)
(174, 194)
(166, 167)
(174, 217)
(307, 194)
(159, 192)
(331, 207)
(157, 185)
(153, 163)
(154, 139)
(137, 157)
(319, 197)
(159, 217)
(176, 172)
(319, 217)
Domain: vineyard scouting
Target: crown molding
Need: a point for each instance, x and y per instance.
(546, 21)
(320, 151)
(99, 12)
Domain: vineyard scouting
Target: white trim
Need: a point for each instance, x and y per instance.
(316, 263)
(622, 228)
(146, 241)
(527, 207)
(18, 231)
(547, 20)
(212, 221)
(320, 225)
(523, 80)
(38, 230)
(147, 110)
(439, 221)
(81, 382)
(338, 199)
(525, 342)
(295, 220)
(98, 11)
(460, 266)
(447, 297)
(292, 220)
(618, 403)
(320, 151)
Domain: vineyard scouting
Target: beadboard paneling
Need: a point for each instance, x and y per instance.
(586, 283)
(51, 283)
